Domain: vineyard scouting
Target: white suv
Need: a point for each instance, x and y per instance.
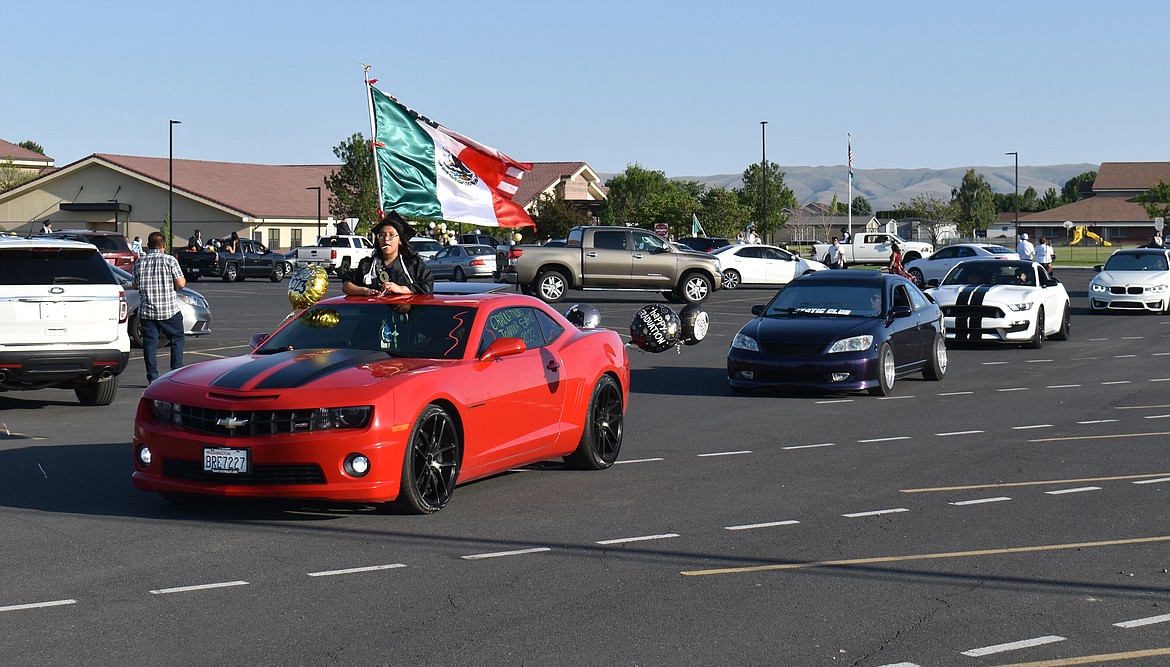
(62, 319)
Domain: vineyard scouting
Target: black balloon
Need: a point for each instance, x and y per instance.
(655, 328)
(583, 316)
(695, 323)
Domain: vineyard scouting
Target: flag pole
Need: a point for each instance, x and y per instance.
(373, 136)
(850, 145)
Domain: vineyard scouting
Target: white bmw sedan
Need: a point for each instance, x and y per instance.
(1014, 301)
(755, 264)
(943, 260)
(1133, 280)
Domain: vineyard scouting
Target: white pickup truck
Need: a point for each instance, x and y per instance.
(335, 253)
(874, 248)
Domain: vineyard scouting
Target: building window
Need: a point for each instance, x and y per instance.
(258, 235)
(274, 238)
(295, 241)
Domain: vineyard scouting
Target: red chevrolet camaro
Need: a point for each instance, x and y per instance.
(386, 399)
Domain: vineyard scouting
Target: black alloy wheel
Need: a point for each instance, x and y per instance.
(431, 464)
(604, 425)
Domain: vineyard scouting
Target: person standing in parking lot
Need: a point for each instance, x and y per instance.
(1044, 254)
(836, 255)
(157, 276)
(1025, 249)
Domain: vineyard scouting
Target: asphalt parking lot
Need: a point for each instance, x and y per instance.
(1013, 513)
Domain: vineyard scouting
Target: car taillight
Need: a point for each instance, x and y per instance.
(332, 254)
(123, 307)
(515, 253)
(477, 262)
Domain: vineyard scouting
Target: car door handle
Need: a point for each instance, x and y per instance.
(553, 365)
(637, 255)
(591, 254)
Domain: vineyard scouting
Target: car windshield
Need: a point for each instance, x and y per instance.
(1132, 261)
(991, 273)
(423, 331)
(827, 300)
(53, 266)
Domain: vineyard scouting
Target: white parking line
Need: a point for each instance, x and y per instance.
(1124, 356)
(1098, 421)
(896, 437)
(892, 398)
(1095, 340)
(742, 451)
(1079, 489)
(1038, 361)
(980, 501)
(1022, 428)
(855, 515)
(500, 554)
(823, 444)
(1132, 337)
(355, 570)
(994, 363)
(37, 605)
(957, 393)
(1117, 382)
(769, 524)
(901, 664)
(958, 433)
(1062, 386)
(1161, 354)
(640, 460)
(1159, 379)
(835, 400)
(643, 538)
(1138, 622)
(1014, 389)
(1013, 646)
(200, 587)
(1153, 481)
(1155, 416)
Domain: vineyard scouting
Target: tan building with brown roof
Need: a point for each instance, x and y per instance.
(575, 182)
(23, 159)
(131, 194)
(1112, 211)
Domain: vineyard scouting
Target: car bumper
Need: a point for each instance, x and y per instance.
(48, 367)
(846, 371)
(1128, 302)
(196, 321)
(1006, 329)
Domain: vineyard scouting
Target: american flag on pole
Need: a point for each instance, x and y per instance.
(850, 156)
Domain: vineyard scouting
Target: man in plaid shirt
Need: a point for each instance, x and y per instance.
(156, 277)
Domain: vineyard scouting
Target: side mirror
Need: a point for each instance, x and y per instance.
(503, 347)
(899, 312)
(1051, 282)
(1098, 268)
(933, 282)
(758, 310)
(257, 340)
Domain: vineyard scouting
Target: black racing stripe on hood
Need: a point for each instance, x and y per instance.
(318, 365)
(240, 375)
(980, 294)
(964, 296)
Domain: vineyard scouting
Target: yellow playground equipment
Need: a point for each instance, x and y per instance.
(1080, 232)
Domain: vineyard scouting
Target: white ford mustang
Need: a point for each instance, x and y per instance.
(1012, 301)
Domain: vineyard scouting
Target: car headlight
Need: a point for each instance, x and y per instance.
(743, 342)
(191, 299)
(1156, 289)
(1098, 287)
(348, 417)
(167, 412)
(1018, 307)
(854, 344)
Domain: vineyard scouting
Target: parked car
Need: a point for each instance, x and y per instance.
(483, 239)
(425, 246)
(460, 262)
(290, 261)
(1132, 280)
(704, 243)
(747, 264)
(62, 319)
(335, 253)
(840, 331)
(252, 260)
(359, 400)
(1013, 301)
(943, 260)
(195, 309)
(874, 248)
(111, 245)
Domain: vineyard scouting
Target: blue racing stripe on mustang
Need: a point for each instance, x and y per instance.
(313, 365)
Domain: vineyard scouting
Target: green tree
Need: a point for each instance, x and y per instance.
(353, 191)
(32, 146)
(933, 213)
(834, 206)
(777, 195)
(974, 201)
(12, 176)
(1156, 200)
(1071, 191)
(722, 214)
(1051, 199)
(861, 206)
(554, 217)
(641, 197)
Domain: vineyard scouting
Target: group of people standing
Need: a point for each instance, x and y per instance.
(1042, 252)
(752, 236)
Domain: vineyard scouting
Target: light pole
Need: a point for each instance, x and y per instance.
(764, 175)
(171, 188)
(1017, 200)
(318, 189)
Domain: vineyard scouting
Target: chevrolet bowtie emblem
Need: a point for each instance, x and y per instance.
(231, 423)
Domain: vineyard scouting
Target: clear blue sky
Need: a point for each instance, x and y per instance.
(676, 86)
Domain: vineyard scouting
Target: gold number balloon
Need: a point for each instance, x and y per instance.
(306, 286)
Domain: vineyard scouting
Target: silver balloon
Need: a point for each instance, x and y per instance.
(583, 316)
(695, 323)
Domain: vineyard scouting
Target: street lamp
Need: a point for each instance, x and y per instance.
(318, 189)
(171, 188)
(1017, 155)
(764, 175)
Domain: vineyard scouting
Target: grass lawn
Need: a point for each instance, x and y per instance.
(1082, 255)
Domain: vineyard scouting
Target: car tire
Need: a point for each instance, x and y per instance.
(601, 439)
(1037, 341)
(673, 298)
(919, 279)
(730, 279)
(277, 272)
(911, 256)
(430, 465)
(551, 285)
(134, 328)
(936, 366)
(885, 372)
(695, 288)
(231, 272)
(98, 393)
(458, 276)
(1065, 325)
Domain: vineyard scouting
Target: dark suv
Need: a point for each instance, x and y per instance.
(111, 245)
(704, 243)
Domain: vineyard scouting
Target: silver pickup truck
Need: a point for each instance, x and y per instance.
(612, 258)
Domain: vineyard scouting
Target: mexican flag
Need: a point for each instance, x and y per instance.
(426, 170)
